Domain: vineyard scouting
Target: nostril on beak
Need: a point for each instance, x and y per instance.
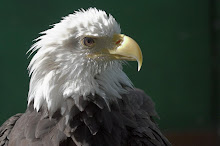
(118, 42)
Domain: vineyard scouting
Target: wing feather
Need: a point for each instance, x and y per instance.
(146, 131)
(6, 128)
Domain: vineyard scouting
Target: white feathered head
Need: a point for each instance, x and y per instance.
(80, 55)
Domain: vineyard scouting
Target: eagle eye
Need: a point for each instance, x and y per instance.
(88, 41)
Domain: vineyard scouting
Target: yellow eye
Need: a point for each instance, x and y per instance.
(89, 42)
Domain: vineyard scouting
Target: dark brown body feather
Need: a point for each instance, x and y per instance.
(128, 123)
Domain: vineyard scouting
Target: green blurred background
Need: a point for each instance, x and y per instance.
(180, 40)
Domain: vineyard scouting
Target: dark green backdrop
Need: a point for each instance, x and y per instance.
(175, 37)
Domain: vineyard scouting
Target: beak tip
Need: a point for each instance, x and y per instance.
(140, 60)
(139, 66)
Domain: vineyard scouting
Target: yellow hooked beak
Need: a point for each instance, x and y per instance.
(124, 48)
(127, 49)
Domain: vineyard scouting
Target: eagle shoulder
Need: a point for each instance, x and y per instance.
(6, 128)
(37, 129)
(139, 108)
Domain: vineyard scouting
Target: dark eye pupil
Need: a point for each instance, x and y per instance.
(88, 41)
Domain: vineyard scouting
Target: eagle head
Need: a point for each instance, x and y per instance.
(81, 55)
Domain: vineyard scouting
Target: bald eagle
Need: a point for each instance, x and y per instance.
(79, 94)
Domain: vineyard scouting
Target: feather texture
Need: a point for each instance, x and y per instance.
(6, 128)
(128, 123)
